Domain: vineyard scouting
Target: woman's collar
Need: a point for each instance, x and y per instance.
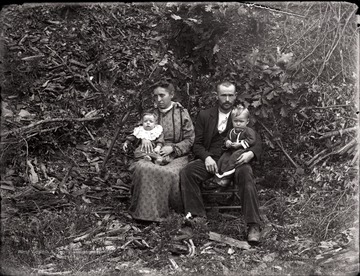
(164, 110)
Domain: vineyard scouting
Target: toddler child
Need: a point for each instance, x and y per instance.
(238, 139)
(152, 131)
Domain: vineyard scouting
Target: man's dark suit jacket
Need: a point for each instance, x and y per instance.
(206, 129)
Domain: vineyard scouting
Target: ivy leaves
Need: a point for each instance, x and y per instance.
(269, 88)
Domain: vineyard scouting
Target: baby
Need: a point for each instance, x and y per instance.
(152, 131)
(238, 139)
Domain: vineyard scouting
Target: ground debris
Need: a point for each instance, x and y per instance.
(230, 241)
(42, 272)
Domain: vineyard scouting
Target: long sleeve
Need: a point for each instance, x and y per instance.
(160, 140)
(199, 148)
(131, 138)
(184, 146)
(250, 136)
(257, 147)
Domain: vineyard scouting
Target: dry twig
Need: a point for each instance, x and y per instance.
(280, 146)
(308, 163)
(55, 120)
(122, 122)
(227, 240)
(337, 132)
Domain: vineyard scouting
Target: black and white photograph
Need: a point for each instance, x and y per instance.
(179, 138)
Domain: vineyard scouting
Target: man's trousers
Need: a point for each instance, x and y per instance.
(194, 174)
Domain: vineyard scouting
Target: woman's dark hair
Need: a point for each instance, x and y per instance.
(168, 86)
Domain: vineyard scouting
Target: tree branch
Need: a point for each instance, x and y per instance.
(274, 10)
(333, 46)
(326, 107)
(122, 122)
(32, 125)
(337, 132)
(280, 146)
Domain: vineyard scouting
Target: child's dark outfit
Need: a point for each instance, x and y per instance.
(156, 137)
(226, 163)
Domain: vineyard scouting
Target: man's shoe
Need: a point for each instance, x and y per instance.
(254, 233)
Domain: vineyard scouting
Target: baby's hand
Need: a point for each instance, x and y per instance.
(157, 150)
(125, 146)
(236, 145)
(228, 143)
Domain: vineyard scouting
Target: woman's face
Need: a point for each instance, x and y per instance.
(162, 97)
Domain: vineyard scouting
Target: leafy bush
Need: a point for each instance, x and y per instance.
(293, 67)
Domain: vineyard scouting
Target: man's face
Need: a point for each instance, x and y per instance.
(148, 122)
(226, 97)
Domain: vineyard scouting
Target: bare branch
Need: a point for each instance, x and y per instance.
(275, 10)
(32, 125)
(280, 146)
(334, 45)
(337, 132)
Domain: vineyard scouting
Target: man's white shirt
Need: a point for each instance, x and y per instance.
(222, 122)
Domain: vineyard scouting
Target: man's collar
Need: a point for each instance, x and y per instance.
(220, 112)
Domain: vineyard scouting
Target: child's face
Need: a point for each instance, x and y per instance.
(148, 122)
(240, 122)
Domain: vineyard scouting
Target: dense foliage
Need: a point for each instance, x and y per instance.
(86, 65)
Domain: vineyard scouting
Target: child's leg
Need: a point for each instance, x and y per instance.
(222, 181)
(223, 162)
(138, 154)
(232, 160)
(155, 157)
(225, 182)
(165, 160)
(228, 168)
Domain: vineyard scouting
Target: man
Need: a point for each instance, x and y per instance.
(211, 128)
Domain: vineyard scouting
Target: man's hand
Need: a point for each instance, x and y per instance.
(211, 165)
(166, 150)
(245, 158)
(146, 146)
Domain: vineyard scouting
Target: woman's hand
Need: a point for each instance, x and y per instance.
(157, 149)
(245, 158)
(211, 165)
(146, 146)
(166, 150)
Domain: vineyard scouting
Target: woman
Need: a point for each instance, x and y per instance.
(156, 188)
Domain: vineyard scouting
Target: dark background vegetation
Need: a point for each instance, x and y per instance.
(294, 65)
